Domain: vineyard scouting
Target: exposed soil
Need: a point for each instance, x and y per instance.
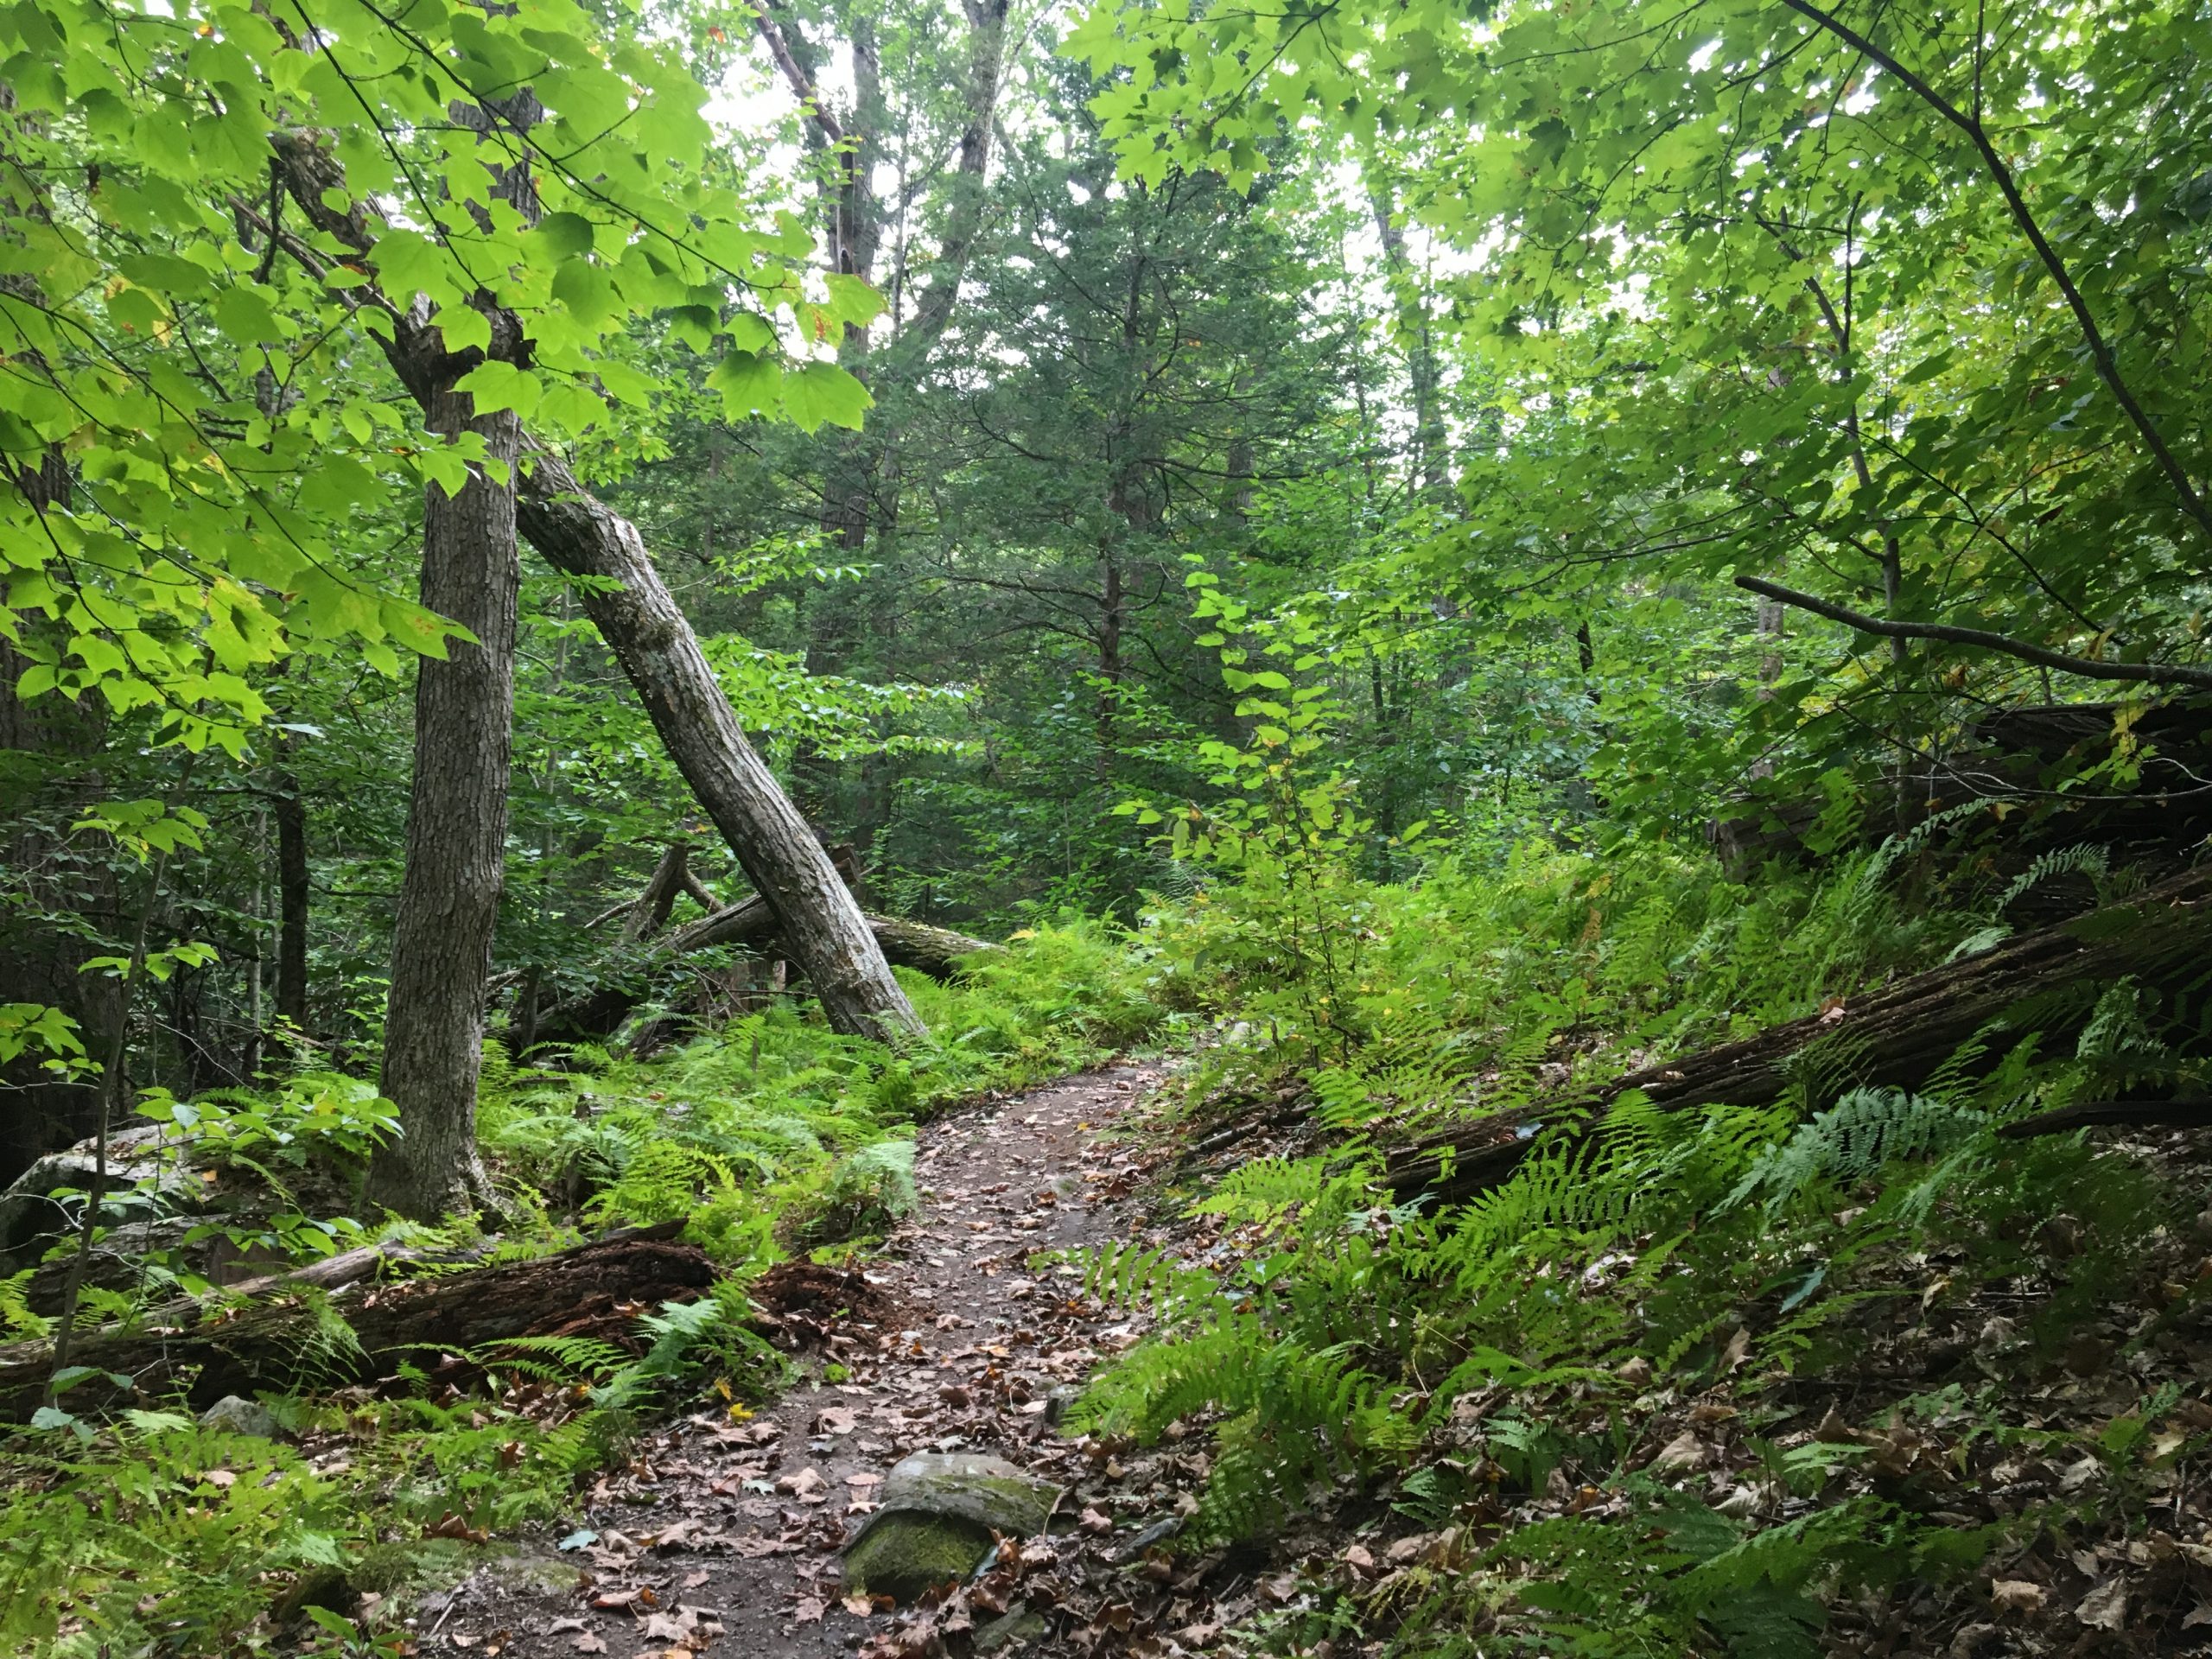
(948, 1341)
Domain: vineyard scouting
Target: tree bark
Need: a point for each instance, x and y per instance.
(775, 846)
(671, 876)
(293, 897)
(1899, 1035)
(640, 620)
(456, 830)
(591, 1290)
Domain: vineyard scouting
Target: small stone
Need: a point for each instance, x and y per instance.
(1058, 1402)
(1013, 1629)
(235, 1414)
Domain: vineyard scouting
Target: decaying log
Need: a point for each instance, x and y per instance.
(627, 600)
(277, 1343)
(2029, 763)
(2046, 982)
(2126, 1114)
(597, 1014)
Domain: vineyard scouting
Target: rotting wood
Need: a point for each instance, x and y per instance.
(2114, 1114)
(597, 1014)
(1898, 1035)
(274, 1343)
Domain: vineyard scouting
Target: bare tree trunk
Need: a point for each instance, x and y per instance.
(642, 624)
(776, 848)
(456, 832)
(292, 901)
(671, 877)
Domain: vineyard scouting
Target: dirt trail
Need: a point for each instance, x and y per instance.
(961, 1348)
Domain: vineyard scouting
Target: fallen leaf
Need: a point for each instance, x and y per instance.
(810, 1610)
(588, 1643)
(1094, 1523)
(1685, 1451)
(859, 1607)
(2017, 1595)
(2104, 1608)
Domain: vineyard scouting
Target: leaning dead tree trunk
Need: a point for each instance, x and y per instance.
(1963, 1017)
(639, 619)
(284, 1342)
(635, 613)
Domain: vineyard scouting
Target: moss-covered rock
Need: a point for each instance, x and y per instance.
(903, 1554)
(935, 1520)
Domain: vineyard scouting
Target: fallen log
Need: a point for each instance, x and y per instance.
(1898, 1035)
(597, 1014)
(2127, 1113)
(285, 1341)
(2038, 769)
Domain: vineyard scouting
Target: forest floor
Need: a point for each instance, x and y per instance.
(725, 1533)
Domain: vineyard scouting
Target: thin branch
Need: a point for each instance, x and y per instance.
(2101, 351)
(2144, 673)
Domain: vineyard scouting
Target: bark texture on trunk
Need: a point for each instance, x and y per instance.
(456, 832)
(641, 621)
(591, 1290)
(292, 896)
(646, 630)
(2047, 981)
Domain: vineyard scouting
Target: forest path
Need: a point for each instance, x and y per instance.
(738, 1523)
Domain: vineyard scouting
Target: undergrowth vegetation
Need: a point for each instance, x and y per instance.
(1597, 1386)
(149, 1531)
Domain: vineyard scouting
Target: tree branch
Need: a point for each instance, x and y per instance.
(801, 84)
(2144, 673)
(2100, 349)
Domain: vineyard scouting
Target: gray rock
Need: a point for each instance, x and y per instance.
(235, 1414)
(29, 1219)
(1011, 1631)
(936, 1517)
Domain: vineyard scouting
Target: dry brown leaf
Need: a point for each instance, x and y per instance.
(2104, 1608)
(1685, 1451)
(2017, 1595)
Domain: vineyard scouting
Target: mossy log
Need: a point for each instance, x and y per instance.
(597, 1014)
(2047, 981)
(283, 1340)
